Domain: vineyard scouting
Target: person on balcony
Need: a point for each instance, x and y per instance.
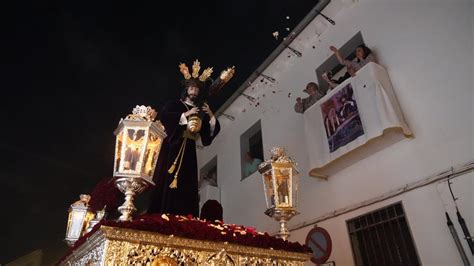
(363, 56)
(312, 90)
(332, 83)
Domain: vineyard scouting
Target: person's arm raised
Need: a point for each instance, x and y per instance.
(338, 54)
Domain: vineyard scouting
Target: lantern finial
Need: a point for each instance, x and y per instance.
(83, 200)
(142, 113)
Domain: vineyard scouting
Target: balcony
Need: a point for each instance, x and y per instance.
(359, 110)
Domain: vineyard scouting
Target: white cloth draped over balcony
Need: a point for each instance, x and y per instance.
(377, 108)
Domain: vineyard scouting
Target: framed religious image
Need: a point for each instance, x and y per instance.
(341, 118)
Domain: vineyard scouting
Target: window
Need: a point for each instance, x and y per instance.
(208, 173)
(382, 237)
(331, 64)
(251, 149)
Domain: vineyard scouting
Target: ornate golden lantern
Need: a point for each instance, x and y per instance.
(138, 145)
(78, 219)
(280, 184)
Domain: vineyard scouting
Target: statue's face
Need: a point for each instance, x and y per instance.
(193, 92)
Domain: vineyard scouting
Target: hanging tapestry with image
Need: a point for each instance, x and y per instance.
(341, 118)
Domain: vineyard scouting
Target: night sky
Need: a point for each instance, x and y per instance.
(71, 70)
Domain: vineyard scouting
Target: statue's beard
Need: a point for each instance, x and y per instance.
(192, 97)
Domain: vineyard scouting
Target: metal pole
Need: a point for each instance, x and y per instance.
(461, 220)
(457, 241)
(465, 230)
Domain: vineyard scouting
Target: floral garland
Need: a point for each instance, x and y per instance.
(194, 228)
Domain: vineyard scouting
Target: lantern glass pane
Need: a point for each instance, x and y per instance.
(283, 184)
(118, 151)
(151, 154)
(134, 143)
(77, 221)
(294, 185)
(268, 188)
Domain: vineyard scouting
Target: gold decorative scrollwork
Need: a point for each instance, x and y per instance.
(221, 258)
(131, 247)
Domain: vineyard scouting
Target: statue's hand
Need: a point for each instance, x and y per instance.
(193, 111)
(208, 111)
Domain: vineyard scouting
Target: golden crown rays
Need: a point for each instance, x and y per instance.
(184, 70)
(196, 67)
(206, 74)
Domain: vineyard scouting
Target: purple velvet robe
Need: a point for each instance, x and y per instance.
(184, 199)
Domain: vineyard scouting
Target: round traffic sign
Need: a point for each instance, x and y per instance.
(319, 241)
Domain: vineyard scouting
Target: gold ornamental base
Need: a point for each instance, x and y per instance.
(130, 186)
(118, 246)
(282, 215)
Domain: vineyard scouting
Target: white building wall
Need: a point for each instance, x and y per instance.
(472, 68)
(427, 48)
(425, 212)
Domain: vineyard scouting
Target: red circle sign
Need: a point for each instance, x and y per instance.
(319, 241)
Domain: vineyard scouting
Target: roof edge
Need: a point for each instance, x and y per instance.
(280, 48)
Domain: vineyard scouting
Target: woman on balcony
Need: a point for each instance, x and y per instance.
(363, 56)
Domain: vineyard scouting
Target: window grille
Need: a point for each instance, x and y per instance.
(382, 237)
